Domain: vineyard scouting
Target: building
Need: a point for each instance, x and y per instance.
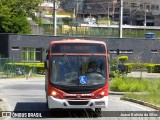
(32, 48)
(142, 12)
(136, 12)
(47, 9)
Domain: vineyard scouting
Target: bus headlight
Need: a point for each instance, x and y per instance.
(101, 94)
(55, 94)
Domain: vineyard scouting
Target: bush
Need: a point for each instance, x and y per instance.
(128, 67)
(37, 67)
(151, 68)
(123, 58)
(157, 68)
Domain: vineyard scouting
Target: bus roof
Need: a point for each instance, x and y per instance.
(74, 40)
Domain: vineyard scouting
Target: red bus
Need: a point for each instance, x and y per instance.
(77, 74)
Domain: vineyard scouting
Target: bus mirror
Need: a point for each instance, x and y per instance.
(45, 64)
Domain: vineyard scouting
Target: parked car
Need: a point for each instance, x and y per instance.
(122, 68)
(19, 71)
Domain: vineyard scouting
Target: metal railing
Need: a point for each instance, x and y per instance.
(100, 31)
(9, 68)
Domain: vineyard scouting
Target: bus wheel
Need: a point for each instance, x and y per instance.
(98, 112)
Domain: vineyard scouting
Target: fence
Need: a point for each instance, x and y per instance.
(9, 68)
(91, 31)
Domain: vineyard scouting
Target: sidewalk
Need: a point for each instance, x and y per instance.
(139, 74)
(42, 77)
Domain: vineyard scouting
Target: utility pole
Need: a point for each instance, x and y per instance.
(108, 13)
(76, 11)
(54, 18)
(121, 20)
(145, 10)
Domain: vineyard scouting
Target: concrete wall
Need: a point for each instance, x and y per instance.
(141, 47)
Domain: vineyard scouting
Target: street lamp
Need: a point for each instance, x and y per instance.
(145, 14)
(121, 20)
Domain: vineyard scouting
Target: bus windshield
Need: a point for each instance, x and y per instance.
(78, 70)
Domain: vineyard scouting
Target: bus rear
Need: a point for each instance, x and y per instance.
(77, 75)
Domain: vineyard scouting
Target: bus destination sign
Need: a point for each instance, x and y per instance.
(78, 48)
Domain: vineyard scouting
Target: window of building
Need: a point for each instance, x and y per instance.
(133, 4)
(141, 6)
(148, 7)
(32, 54)
(121, 51)
(152, 7)
(157, 7)
(117, 9)
(15, 48)
(154, 51)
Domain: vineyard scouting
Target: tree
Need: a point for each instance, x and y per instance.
(14, 14)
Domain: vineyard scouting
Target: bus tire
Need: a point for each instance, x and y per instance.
(98, 112)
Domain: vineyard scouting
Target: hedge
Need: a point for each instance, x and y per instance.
(151, 67)
(37, 67)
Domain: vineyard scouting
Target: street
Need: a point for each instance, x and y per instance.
(29, 95)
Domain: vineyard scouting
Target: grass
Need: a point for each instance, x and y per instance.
(150, 89)
(150, 98)
(125, 84)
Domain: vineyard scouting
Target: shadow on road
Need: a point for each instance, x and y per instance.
(41, 107)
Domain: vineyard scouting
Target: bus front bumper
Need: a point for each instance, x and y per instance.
(77, 104)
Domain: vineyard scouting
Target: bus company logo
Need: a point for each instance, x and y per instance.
(78, 96)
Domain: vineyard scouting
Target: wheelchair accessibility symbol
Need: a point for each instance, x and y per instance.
(83, 80)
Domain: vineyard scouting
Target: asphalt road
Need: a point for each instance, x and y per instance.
(29, 95)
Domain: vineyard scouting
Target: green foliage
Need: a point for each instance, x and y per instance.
(104, 21)
(67, 20)
(128, 66)
(125, 84)
(29, 64)
(36, 67)
(14, 14)
(151, 68)
(152, 98)
(123, 58)
(114, 68)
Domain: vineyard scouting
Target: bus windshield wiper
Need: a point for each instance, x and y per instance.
(67, 60)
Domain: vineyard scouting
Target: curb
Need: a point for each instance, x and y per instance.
(4, 105)
(116, 93)
(141, 103)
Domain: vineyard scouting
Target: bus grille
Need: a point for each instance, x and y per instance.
(75, 97)
(78, 102)
(78, 91)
